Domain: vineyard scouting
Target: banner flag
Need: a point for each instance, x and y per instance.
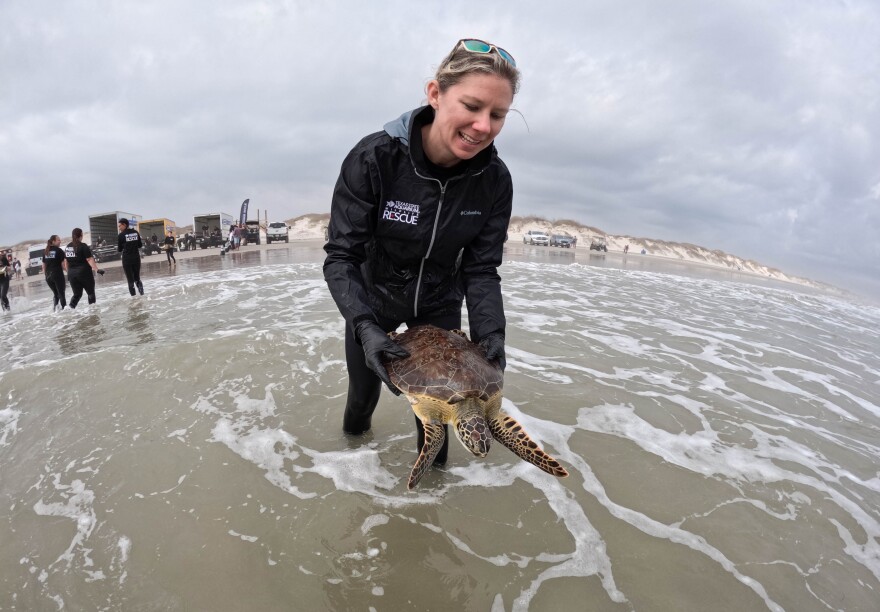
(243, 216)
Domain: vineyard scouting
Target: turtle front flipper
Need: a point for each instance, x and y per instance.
(435, 433)
(511, 434)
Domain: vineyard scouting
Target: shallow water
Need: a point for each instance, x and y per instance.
(182, 451)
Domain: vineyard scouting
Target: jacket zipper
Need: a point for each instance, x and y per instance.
(430, 244)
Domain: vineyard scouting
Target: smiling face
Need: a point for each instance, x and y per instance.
(468, 117)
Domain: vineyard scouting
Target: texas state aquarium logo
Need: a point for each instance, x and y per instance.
(401, 212)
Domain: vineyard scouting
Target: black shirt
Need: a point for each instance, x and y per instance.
(53, 259)
(77, 256)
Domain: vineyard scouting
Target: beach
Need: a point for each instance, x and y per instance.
(183, 449)
(681, 256)
(308, 233)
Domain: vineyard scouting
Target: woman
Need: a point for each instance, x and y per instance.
(54, 267)
(6, 273)
(418, 220)
(129, 243)
(168, 245)
(80, 264)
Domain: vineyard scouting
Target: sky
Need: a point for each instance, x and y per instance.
(748, 126)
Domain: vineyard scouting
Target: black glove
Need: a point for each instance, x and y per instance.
(375, 342)
(494, 345)
(101, 272)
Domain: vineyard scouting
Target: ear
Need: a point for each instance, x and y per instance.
(433, 91)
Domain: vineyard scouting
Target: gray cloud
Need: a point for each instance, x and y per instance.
(744, 126)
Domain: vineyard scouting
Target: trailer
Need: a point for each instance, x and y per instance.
(104, 227)
(211, 229)
(35, 260)
(157, 228)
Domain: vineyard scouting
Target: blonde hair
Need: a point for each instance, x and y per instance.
(461, 63)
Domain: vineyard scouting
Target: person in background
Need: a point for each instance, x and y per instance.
(6, 273)
(129, 244)
(54, 267)
(237, 235)
(417, 224)
(168, 245)
(80, 265)
(16, 266)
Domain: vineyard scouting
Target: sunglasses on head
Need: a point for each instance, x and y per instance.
(475, 45)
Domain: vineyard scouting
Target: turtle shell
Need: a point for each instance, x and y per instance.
(444, 365)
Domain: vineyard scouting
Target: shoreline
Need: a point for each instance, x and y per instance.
(312, 227)
(154, 266)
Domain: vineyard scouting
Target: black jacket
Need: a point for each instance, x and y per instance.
(403, 243)
(130, 244)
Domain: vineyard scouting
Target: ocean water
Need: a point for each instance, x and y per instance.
(183, 450)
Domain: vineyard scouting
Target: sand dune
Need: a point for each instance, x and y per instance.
(312, 227)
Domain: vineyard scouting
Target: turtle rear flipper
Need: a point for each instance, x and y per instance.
(511, 434)
(434, 436)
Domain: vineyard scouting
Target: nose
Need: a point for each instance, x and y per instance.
(483, 123)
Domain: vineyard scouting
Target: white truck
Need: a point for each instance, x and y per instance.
(35, 260)
(104, 226)
(104, 231)
(211, 229)
(276, 231)
(536, 237)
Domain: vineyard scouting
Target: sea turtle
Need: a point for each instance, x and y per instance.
(448, 380)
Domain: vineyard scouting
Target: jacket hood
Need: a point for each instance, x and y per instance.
(402, 127)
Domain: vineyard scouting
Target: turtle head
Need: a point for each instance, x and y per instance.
(471, 428)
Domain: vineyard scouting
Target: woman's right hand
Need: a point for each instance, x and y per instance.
(375, 342)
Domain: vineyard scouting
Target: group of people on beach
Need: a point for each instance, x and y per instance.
(78, 261)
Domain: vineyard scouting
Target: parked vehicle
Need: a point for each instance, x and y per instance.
(187, 242)
(211, 229)
(151, 247)
(560, 240)
(597, 243)
(536, 237)
(277, 231)
(104, 229)
(154, 227)
(211, 240)
(35, 260)
(108, 252)
(251, 232)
